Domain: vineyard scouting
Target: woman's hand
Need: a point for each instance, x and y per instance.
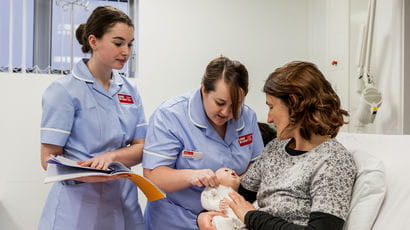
(240, 206)
(99, 162)
(205, 220)
(203, 177)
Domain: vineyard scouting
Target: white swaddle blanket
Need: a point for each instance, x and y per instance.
(210, 199)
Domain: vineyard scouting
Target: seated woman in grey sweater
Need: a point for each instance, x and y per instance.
(304, 178)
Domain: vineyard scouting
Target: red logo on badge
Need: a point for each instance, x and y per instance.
(191, 154)
(125, 98)
(188, 152)
(245, 139)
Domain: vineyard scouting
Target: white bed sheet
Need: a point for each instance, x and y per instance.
(393, 151)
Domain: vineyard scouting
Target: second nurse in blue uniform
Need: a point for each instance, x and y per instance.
(191, 136)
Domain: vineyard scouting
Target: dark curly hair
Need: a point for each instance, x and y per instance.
(311, 101)
(100, 21)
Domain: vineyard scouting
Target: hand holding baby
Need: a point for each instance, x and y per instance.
(217, 199)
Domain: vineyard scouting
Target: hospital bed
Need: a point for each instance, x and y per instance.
(381, 195)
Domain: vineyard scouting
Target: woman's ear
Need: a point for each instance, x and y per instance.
(202, 89)
(92, 40)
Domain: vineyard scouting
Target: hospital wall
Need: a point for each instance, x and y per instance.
(176, 41)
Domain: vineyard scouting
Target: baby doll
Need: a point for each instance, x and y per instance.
(210, 199)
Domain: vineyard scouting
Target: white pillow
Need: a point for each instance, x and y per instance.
(369, 189)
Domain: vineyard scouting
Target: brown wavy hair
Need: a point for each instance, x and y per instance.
(311, 101)
(234, 74)
(100, 21)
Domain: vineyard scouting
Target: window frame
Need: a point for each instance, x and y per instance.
(43, 38)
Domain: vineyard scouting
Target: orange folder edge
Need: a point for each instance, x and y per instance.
(152, 192)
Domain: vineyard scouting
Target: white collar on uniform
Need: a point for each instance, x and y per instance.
(81, 72)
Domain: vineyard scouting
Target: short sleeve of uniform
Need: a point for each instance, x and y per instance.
(162, 144)
(141, 129)
(57, 115)
(332, 186)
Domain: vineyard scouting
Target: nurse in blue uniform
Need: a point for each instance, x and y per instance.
(191, 136)
(95, 116)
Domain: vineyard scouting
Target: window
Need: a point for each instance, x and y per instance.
(16, 40)
(47, 45)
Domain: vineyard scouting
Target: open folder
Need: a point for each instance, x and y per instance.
(60, 168)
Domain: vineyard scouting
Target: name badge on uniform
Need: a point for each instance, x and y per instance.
(245, 139)
(191, 154)
(124, 98)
